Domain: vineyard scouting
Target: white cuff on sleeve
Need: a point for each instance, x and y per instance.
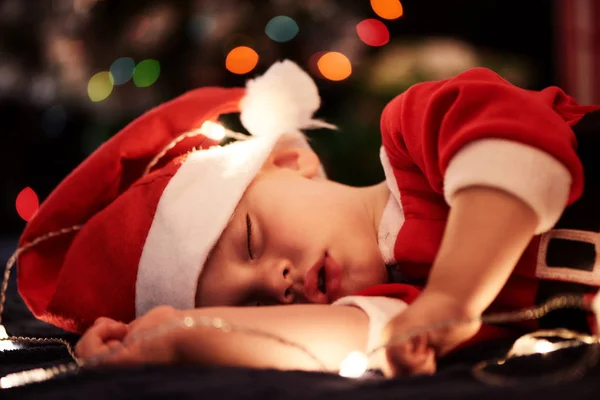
(528, 173)
(380, 311)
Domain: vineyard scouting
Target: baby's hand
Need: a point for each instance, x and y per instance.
(112, 342)
(105, 334)
(418, 355)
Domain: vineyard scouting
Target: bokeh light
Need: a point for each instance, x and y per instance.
(373, 32)
(146, 73)
(354, 365)
(122, 70)
(387, 9)
(334, 66)
(27, 203)
(100, 86)
(241, 60)
(281, 29)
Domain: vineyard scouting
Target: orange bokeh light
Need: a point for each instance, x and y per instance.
(387, 9)
(334, 66)
(241, 60)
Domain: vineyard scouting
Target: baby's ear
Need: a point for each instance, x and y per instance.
(300, 159)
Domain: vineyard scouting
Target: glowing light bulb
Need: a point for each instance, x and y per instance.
(354, 365)
(213, 130)
(543, 346)
(7, 344)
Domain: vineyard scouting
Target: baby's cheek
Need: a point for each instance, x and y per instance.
(357, 282)
(370, 269)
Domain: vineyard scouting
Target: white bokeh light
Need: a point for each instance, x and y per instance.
(354, 365)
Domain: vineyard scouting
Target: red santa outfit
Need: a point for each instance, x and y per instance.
(477, 129)
(132, 226)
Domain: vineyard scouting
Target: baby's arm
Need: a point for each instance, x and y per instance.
(476, 257)
(505, 162)
(480, 248)
(330, 333)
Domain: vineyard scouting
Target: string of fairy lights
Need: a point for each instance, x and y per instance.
(356, 363)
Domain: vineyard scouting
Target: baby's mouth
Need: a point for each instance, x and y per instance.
(321, 281)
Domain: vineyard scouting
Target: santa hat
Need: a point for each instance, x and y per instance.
(132, 226)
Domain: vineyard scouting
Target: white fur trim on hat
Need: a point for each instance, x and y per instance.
(192, 212)
(199, 200)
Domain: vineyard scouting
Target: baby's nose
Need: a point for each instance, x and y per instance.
(280, 283)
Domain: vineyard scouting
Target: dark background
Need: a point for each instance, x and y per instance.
(50, 49)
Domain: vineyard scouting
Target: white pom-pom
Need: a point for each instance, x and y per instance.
(284, 99)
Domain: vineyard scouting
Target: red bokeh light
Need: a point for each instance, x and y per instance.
(27, 203)
(373, 32)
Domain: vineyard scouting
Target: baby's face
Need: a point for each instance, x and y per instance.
(293, 239)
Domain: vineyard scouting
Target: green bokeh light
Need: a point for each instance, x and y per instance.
(281, 29)
(146, 73)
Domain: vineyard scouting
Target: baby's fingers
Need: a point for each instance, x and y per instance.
(95, 340)
(117, 353)
(131, 353)
(411, 357)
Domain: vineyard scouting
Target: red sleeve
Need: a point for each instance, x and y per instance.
(427, 125)
(400, 291)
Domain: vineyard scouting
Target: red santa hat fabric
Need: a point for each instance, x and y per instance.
(142, 213)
